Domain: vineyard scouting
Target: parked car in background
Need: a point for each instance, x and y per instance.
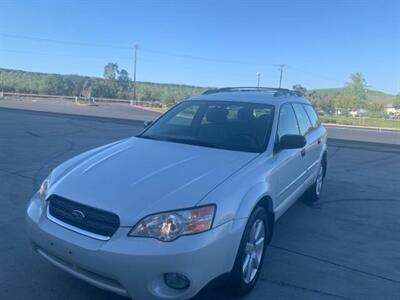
(192, 198)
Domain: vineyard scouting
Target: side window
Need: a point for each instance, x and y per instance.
(312, 115)
(287, 121)
(302, 118)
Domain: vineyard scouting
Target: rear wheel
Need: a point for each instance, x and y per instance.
(250, 255)
(314, 192)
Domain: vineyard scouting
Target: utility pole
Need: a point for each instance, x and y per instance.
(258, 79)
(135, 49)
(281, 74)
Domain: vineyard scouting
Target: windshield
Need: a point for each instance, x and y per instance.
(217, 124)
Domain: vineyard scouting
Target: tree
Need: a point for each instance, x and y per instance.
(74, 85)
(300, 89)
(357, 89)
(123, 76)
(376, 106)
(396, 102)
(111, 71)
(314, 98)
(86, 90)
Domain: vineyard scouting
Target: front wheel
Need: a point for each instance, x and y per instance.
(250, 255)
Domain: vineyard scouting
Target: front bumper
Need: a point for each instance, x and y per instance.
(132, 266)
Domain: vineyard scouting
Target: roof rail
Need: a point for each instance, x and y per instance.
(274, 91)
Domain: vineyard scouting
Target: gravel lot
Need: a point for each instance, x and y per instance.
(346, 246)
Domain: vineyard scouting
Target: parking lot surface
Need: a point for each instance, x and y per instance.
(129, 112)
(346, 246)
(113, 110)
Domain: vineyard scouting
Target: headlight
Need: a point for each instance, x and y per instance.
(169, 226)
(44, 189)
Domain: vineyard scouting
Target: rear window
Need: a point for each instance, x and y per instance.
(302, 117)
(312, 115)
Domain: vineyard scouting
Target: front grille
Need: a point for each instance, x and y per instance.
(83, 217)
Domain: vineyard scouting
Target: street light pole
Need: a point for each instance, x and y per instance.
(258, 79)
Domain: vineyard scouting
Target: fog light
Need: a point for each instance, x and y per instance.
(176, 281)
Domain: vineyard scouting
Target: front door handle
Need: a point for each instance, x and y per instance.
(303, 152)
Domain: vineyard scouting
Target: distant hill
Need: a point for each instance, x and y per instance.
(19, 81)
(373, 95)
(76, 85)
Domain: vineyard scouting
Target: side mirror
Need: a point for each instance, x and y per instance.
(147, 123)
(292, 141)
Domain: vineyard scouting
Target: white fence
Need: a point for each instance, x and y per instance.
(22, 96)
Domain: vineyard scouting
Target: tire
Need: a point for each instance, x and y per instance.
(242, 279)
(314, 191)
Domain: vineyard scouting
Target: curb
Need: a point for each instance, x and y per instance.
(362, 127)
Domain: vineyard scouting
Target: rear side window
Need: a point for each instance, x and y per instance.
(312, 115)
(302, 118)
(287, 121)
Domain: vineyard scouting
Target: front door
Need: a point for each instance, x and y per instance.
(291, 163)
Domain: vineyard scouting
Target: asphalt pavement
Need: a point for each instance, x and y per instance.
(373, 135)
(66, 107)
(134, 113)
(346, 246)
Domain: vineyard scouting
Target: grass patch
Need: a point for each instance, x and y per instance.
(363, 121)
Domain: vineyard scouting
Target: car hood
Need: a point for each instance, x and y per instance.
(137, 177)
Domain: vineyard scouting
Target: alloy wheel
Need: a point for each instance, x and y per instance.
(254, 251)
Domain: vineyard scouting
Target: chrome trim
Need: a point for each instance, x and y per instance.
(75, 229)
(293, 182)
(313, 165)
(298, 178)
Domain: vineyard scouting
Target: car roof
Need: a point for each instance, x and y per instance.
(271, 96)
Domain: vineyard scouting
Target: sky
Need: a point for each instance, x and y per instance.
(208, 42)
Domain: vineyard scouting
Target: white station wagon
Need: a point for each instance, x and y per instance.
(192, 198)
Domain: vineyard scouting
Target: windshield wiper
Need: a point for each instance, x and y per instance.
(182, 141)
(202, 143)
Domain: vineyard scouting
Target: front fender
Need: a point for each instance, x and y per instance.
(257, 192)
(238, 202)
(237, 196)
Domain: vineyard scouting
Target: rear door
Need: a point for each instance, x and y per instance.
(311, 149)
(315, 137)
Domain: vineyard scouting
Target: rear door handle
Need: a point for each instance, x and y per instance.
(303, 152)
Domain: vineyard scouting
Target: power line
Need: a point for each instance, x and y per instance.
(65, 55)
(113, 58)
(314, 74)
(54, 41)
(320, 76)
(210, 59)
(165, 53)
